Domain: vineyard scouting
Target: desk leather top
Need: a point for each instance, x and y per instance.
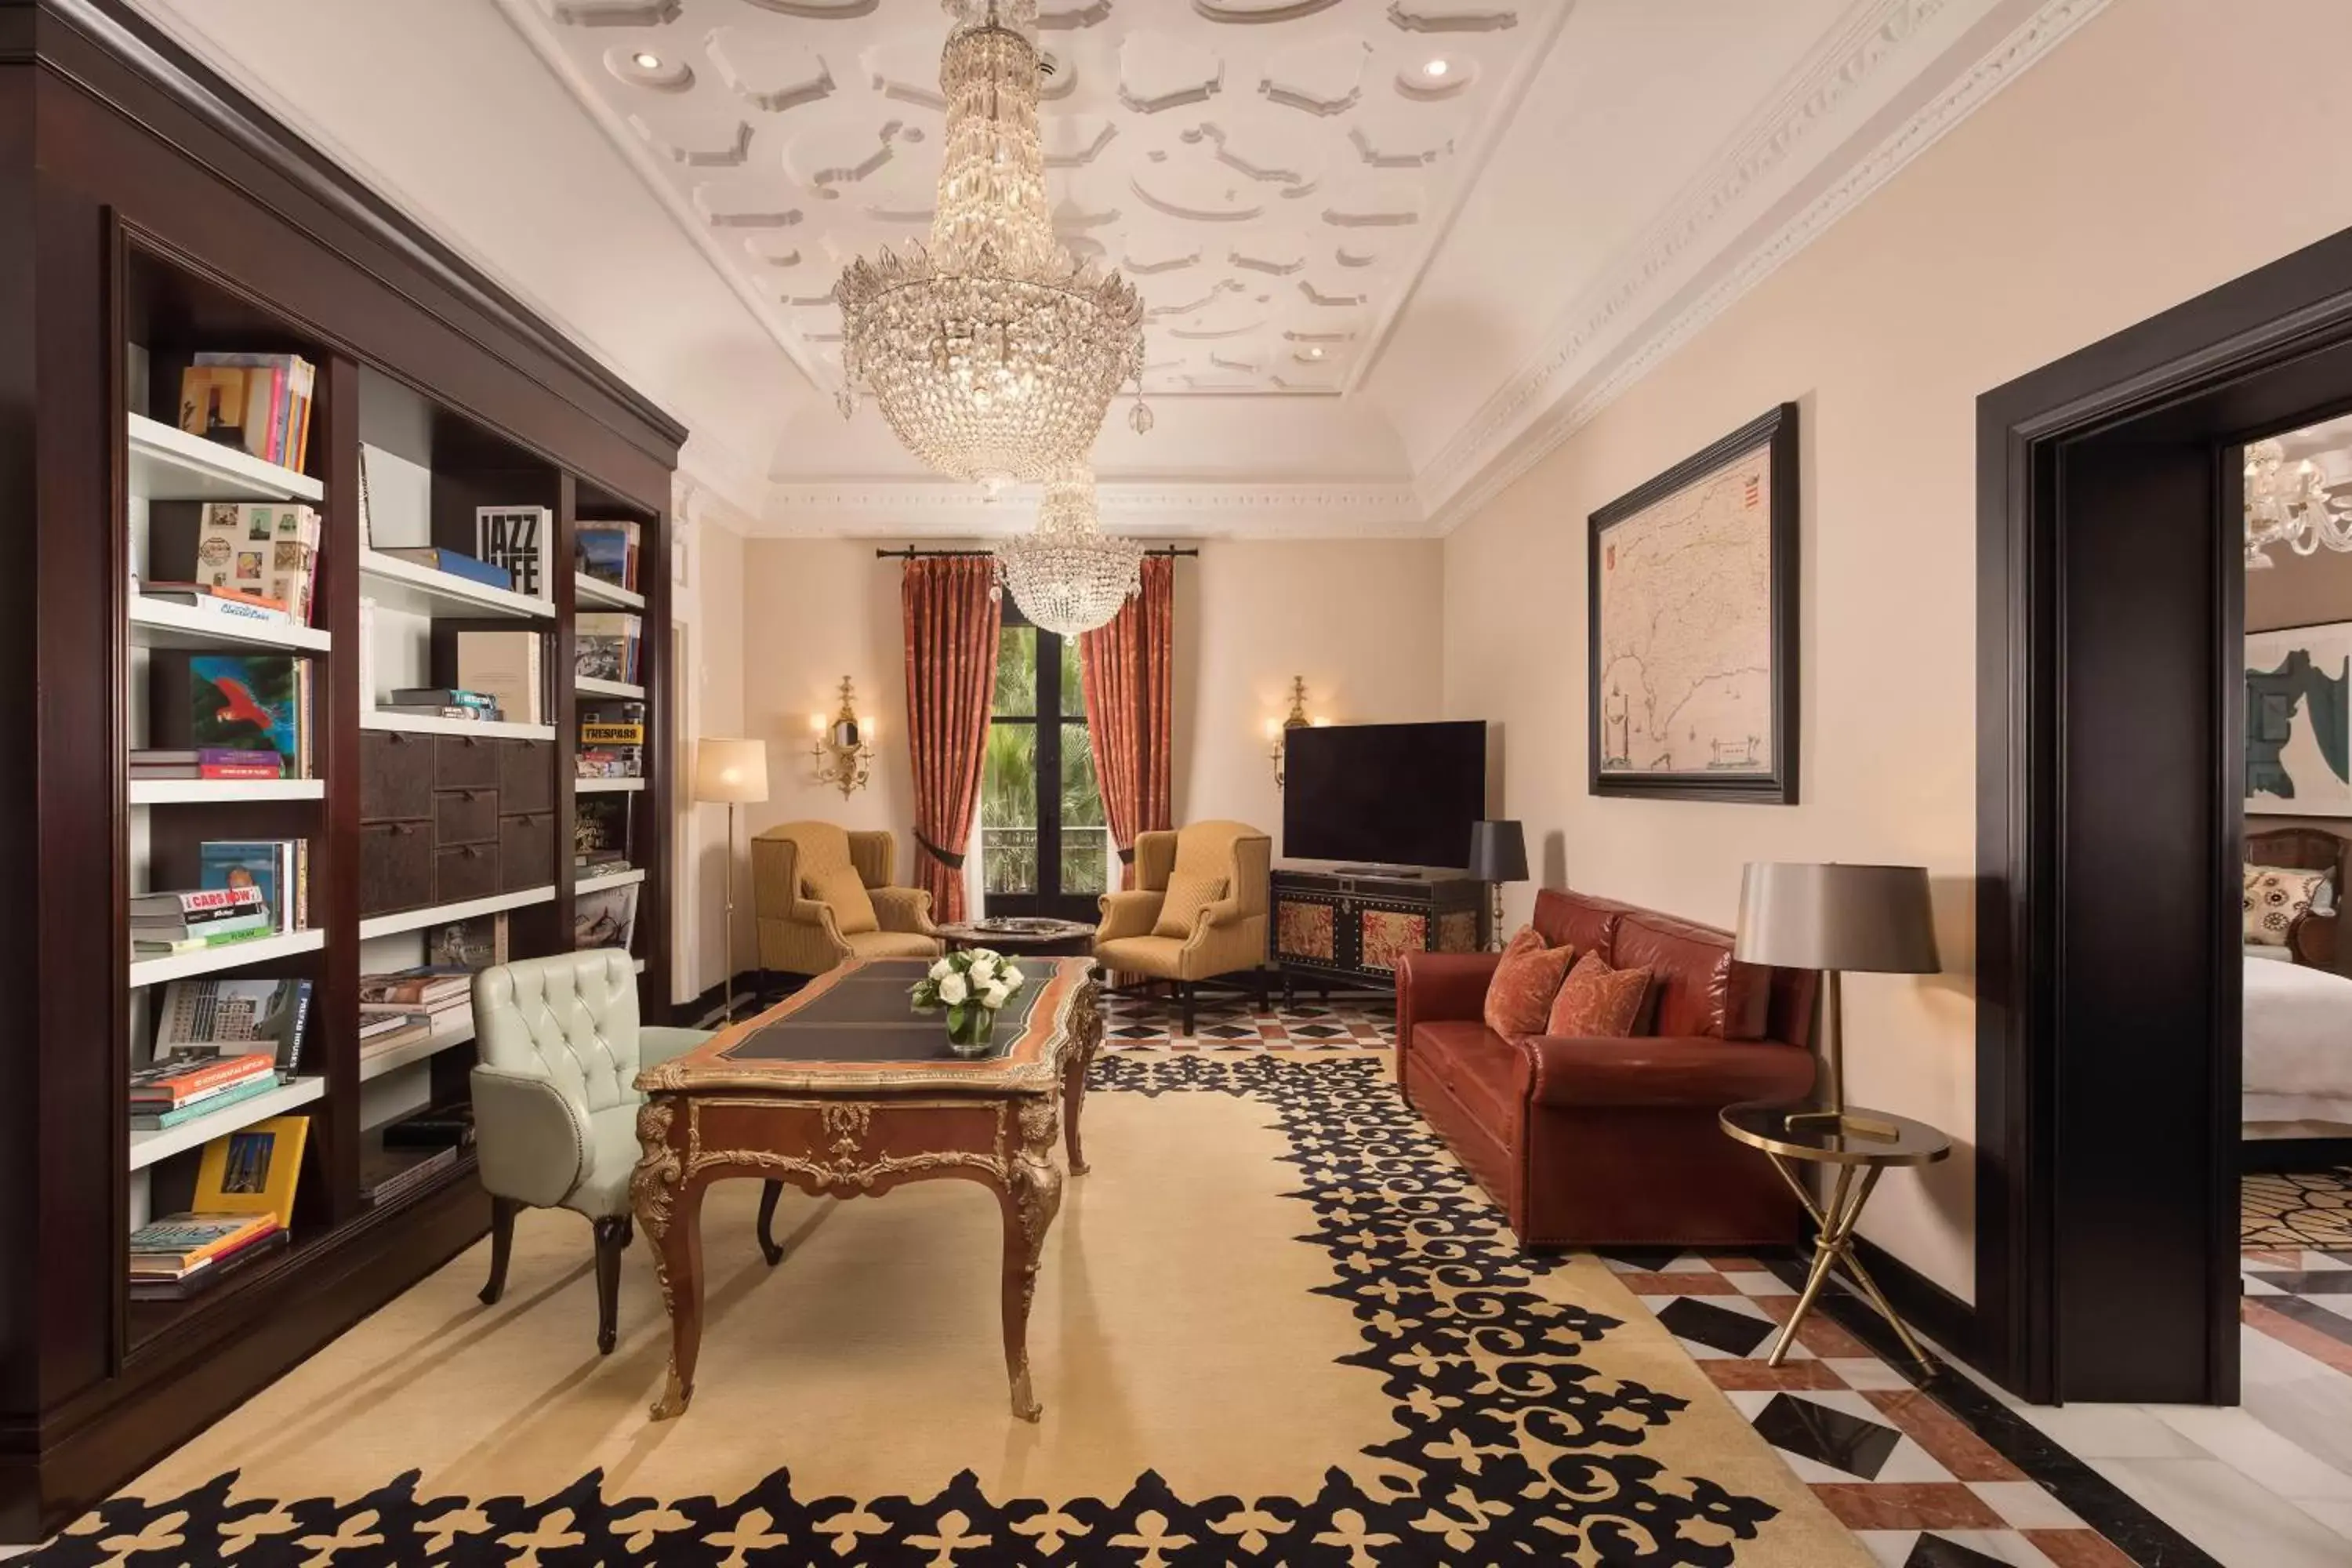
(854, 1030)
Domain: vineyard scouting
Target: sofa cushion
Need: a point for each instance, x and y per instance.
(1490, 1075)
(893, 944)
(1700, 991)
(838, 887)
(1519, 999)
(1596, 1002)
(1189, 893)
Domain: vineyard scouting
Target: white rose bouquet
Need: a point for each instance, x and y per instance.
(970, 986)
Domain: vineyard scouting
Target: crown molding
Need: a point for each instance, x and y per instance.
(1570, 379)
(927, 509)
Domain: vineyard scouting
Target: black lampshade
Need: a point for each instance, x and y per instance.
(1498, 852)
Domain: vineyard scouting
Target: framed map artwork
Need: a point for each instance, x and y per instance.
(1692, 590)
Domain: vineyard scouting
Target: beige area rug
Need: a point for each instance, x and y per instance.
(1276, 1324)
(2308, 1209)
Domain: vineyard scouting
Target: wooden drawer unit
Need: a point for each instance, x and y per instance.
(395, 865)
(465, 761)
(395, 775)
(465, 816)
(464, 871)
(526, 851)
(526, 775)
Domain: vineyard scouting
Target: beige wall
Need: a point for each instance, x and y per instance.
(2116, 178)
(2299, 591)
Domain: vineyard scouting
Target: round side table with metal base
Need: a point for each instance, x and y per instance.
(1852, 1141)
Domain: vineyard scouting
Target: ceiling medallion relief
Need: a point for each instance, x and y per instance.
(1281, 164)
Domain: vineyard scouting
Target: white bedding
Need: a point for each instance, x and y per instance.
(2298, 1043)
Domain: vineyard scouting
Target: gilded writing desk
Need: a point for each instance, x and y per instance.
(842, 1090)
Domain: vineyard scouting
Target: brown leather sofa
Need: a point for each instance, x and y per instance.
(1595, 1143)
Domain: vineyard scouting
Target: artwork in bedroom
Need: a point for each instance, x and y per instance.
(1692, 590)
(2299, 721)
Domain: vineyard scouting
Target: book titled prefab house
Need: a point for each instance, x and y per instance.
(517, 538)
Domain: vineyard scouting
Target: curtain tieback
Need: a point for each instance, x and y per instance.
(1127, 854)
(953, 862)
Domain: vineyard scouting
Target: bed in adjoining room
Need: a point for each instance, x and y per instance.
(2297, 1069)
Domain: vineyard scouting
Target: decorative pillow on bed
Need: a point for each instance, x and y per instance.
(2277, 897)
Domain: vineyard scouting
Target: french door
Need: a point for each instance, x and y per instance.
(1044, 841)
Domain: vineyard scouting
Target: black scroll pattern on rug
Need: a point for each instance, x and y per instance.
(1511, 1449)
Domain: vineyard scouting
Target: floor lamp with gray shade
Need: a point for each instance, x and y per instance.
(734, 772)
(1499, 853)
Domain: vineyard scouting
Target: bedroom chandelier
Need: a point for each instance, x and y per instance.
(1069, 576)
(992, 353)
(2290, 504)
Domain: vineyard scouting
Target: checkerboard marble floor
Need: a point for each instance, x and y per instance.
(1224, 1021)
(1946, 1471)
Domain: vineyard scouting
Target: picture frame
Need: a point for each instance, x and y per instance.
(1691, 672)
(2298, 716)
(253, 1169)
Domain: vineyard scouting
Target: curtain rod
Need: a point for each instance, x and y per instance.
(911, 554)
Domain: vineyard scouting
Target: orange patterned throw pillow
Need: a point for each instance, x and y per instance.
(1518, 998)
(1598, 1002)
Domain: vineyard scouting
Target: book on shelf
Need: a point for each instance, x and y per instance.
(467, 944)
(517, 538)
(420, 986)
(180, 903)
(253, 1169)
(600, 827)
(193, 919)
(204, 942)
(608, 763)
(510, 666)
(605, 919)
(251, 703)
(449, 1126)
(177, 1246)
(267, 550)
(279, 867)
(156, 1119)
(606, 552)
(205, 762)
(440, 697)
(152, 1285)
(608, 645)
(183, 1077)
(258, 402)
(215, 602)
(388, 1174)
(462, 711)
(407, 1029)
(454, 562)
(223, 1017)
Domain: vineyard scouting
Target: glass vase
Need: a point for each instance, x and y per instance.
(971, 1030)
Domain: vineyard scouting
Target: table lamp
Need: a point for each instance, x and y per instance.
(735, 771)
(1837, 918)
(1499, 853)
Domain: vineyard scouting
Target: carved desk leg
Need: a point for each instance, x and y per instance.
(669, 1208)
(1033, 1196)
(1074, 1072)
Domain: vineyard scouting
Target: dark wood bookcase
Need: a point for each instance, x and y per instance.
(148, 213)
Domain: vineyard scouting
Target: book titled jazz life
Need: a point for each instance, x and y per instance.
(516, 537)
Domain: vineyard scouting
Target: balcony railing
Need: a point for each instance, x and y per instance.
(1009, 860)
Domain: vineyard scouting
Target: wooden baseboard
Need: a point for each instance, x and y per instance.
(1926, 1306)
(2271, 1156)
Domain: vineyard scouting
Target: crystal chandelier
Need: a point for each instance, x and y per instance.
(1069, 576)
(2290, 504)
(992, 353)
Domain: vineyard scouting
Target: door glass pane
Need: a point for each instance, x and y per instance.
(1074, 693)
(1008, 807)
(1086, 840)
(1016, 672)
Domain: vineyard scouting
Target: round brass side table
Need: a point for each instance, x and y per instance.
(1850, 1141)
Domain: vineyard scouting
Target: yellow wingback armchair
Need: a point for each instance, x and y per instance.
(1197, 911)
(822, 895)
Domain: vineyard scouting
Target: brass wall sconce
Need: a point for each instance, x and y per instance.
(843, 749)
(1278, 748)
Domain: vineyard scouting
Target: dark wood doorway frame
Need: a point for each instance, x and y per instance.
(2110, 827)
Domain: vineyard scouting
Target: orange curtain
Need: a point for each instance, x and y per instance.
(952, 626)
(1127, 666)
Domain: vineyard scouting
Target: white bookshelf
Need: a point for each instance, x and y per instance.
(157, 624)
(215, 792)
(594, 592)
(607, 786)
(444, 914)
(587, 885)
(591, 686)
(431, 724)
(146, 1148)
(230, 955)
(398, 584)
(168, 464)
(441, 1039)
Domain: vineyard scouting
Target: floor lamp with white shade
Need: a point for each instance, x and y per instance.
(735, 771)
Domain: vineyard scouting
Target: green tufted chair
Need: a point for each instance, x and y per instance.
(555, 1100)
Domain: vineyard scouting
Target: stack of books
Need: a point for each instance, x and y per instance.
(599, 833)
(510, 667)
(267, 550)
(175, 1258)
(205, 762)
(388, 1173)
(611, 741)
(260, 403)
(279, 867)
(608, 646)
(606, 552)
(227, 603)
(192, 920)
(258, 703)
(443, 702)
(186, 1085)
(412, 1004)
(455, 563)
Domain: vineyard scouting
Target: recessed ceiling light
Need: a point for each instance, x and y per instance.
(1436, 68)
(1314, 351)
(646, 61)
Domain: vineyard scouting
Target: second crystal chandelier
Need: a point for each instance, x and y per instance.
(1069, 576)
(992, 352)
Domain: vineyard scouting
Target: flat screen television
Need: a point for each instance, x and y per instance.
(1390, 794)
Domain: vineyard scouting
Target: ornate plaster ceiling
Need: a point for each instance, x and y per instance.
(1272, 174)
